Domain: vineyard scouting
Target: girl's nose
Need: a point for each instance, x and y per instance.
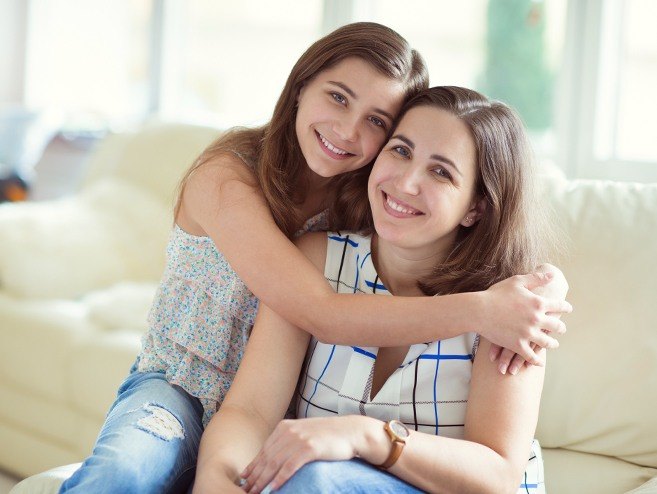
(347, 128)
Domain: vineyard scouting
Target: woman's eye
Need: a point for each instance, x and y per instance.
(378, 122)
(339, 98)
(402, 151)
(441, 172)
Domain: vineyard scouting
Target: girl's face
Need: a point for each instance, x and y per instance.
(344, 115)
(422, 186)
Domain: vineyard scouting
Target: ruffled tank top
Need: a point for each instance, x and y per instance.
(201, 318)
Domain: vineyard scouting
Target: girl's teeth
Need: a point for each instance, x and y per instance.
(330, 146)
(398, 207)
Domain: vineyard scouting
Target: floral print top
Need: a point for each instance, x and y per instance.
(201, 318)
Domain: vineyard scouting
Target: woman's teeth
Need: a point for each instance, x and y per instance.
(331, 147)
(399, 208)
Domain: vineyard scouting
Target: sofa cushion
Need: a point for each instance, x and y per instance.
(124, 305)
(47, 482)
(600, 392)
(568, 472)
(649, 487)
(62, 249)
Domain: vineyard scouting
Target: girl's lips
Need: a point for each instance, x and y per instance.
(329, 149)
(399, 209)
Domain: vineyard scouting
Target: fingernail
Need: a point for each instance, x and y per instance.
(503, 368)
(513, 369)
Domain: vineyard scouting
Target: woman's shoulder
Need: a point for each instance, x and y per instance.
(313, 245)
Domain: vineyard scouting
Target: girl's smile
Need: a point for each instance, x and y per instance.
(343, 116)
(331, 150)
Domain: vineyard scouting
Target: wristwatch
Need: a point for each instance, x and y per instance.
(398, 433)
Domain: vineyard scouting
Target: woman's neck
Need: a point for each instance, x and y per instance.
(400, 269)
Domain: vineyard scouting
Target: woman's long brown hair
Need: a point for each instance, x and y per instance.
(513, 234)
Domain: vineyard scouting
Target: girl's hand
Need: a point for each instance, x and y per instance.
(295, 443)
(507, 360)
(516, 318)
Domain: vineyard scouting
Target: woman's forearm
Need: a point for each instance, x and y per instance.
(442, 465)
(230, 441)
(437, 464)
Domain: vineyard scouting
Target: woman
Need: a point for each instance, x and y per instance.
(451, 204)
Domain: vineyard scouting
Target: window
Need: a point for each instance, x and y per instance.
(580, 72)
(88, 60)
(609, 71)
(227, 62)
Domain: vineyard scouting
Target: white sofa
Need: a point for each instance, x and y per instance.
(77, 277)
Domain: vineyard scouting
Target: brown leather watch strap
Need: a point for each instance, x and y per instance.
(397, 447)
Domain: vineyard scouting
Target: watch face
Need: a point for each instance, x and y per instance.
(399, 429)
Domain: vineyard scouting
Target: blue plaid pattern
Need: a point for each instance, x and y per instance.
(428, 392)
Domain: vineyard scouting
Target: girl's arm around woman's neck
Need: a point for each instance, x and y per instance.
(223, 201)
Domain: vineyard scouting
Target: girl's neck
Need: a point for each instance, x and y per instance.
(400, 269)
(314, 195)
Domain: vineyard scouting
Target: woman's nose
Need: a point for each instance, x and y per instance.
(407, 181)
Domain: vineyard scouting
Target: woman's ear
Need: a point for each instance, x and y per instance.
(475, 213)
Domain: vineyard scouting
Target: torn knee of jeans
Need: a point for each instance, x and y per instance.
(161, 423)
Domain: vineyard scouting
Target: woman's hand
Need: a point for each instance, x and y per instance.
(520, 320)
(297, 442)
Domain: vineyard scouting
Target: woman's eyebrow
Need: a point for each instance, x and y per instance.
(404, 139)
(351, 93)
(437, 157)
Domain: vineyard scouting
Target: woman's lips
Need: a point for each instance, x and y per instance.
(399, 209)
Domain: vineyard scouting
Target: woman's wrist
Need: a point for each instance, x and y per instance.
(372, 444)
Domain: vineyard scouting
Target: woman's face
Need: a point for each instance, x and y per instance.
(422, 186)
(344, 115)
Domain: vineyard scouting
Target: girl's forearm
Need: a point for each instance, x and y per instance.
(373, 320)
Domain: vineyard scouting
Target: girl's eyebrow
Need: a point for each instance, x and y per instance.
(437, 157)
(351, 93)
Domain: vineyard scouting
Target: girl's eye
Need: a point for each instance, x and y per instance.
(378, 122)
(339, 98)
(402, 151)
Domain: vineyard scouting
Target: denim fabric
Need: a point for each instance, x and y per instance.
(148, 444)
(345, 477)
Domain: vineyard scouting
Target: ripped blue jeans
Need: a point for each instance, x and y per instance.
(149, 441)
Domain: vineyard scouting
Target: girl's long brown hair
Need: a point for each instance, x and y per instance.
(273, 151)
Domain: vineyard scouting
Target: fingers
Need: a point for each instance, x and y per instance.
(516, 364)
(504, 360)
(556, 306)
(528, 354)
(535, 280)
(494, 352)
(553, 325)
(544, 340)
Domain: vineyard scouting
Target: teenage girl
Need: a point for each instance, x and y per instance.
(246, 196)
(451, 205)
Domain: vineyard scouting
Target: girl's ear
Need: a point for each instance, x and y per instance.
(299, 93)
(475, 213)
